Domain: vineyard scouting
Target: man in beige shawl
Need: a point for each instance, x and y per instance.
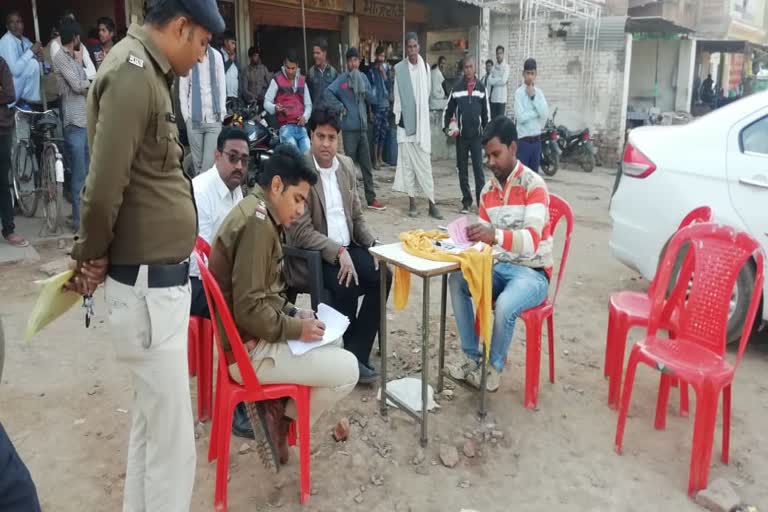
(414, 140)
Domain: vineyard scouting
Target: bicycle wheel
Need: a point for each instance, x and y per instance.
(53, 190)
(25, 178)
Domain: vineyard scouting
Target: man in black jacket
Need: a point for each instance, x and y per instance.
(469, 105)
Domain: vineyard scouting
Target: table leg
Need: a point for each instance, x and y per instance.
(383, 336)
(424, 361)
(441, 352)
(483, 379)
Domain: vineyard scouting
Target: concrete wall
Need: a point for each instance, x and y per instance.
(560, 80)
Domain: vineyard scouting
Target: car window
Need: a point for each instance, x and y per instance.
(754, 138)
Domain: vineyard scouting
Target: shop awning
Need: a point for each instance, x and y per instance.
(655, 24)
(727, 46)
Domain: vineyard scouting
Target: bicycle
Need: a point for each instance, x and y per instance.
(39, 168)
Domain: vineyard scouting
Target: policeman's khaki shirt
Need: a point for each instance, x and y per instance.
(247, 262)
(137, 205)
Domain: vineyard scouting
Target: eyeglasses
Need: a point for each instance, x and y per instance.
(235, 157)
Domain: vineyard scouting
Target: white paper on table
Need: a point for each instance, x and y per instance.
(336, 325)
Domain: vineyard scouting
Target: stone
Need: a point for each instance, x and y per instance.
(341, 432)
(470, 448)
(377, 479)
(418, 457)
(244, 448)
(359, 499)
(465, 484)
(55, 267)
(199, 430)
(449, 455)
(719, 496)
(497, 434)
(313, 491)
(469, 435)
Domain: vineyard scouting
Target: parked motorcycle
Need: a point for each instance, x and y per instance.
(550, 149)
(577, 146)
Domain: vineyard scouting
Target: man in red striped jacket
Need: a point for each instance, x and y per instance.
(514, 218)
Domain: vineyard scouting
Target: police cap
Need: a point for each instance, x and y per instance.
(206, 14)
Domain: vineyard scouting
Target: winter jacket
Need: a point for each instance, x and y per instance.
(472, 111)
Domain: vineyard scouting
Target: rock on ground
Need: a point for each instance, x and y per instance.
(719, 496)
(449, 455)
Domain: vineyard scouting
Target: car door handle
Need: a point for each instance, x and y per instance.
(757, 181)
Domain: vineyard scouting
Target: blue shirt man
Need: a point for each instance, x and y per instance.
(19, 53)
(531, 113)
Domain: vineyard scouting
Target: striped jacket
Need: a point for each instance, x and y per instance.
(471, 110)
(519, 211)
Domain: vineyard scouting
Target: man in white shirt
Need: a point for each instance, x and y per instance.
(333, 224)
(437, 98)
(231, 67)
(203, 102)
(497, 84)
(217, 191)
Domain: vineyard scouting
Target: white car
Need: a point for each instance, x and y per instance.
(719, 160)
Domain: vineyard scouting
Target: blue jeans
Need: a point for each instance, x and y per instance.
(296, 135)
(77, 138)
(515, 289)
(529, 152)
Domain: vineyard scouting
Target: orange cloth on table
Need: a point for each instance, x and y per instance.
(476, 266)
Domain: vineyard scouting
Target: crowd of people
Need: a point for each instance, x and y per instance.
(138, 215)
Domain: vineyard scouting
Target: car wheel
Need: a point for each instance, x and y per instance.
(742, 294)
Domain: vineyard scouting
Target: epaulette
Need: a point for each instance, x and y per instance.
(261, 210)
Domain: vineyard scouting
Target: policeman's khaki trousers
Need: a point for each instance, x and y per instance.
(331, 371)
(150, 337)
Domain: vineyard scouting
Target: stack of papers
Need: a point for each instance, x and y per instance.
(336, 325)
(52, 302)
(457, 230)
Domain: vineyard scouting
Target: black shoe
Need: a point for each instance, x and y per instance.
(367, 374)
(241, 425)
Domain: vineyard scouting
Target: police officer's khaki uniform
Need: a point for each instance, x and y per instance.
(138, 209)
(247, 262)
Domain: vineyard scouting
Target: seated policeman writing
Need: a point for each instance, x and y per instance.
(514, 216)
(247, 260)
(333, 224)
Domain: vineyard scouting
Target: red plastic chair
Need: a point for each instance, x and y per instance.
(716, 255)
(628, 309)
(534, 317)
(200, 350)
(229, 393)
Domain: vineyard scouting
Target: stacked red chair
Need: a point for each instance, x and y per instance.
(627, 309)
(697, 353)
(229, 393)
(200, 351)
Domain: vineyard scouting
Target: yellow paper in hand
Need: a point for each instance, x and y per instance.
(53, 302)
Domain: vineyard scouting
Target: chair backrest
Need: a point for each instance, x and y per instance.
(715, 256)
(219, 310)
(203, 247)
(700, 214)
(559, 209)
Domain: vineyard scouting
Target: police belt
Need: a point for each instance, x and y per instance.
(158, 276)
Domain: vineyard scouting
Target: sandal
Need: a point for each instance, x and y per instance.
(16, 240)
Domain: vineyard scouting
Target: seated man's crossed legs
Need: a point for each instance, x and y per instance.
(364, 322)
(515, 289)
(329, 370)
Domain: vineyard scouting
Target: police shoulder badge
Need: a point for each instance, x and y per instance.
(132, 59)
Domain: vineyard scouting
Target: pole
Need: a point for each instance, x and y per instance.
(404, 54)
(304, 30)
(37, 38)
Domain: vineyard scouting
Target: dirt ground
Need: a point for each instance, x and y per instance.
(66, 405)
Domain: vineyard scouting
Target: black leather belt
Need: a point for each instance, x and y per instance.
(158, 276)
(537, 138)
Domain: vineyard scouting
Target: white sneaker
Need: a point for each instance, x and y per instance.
(461, 369)
(492, 380)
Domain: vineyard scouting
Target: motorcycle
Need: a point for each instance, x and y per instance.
(577, 146)
(550, 149)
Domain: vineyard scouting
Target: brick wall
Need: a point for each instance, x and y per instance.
(559, 78)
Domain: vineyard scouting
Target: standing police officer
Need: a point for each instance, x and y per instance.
(139, 224)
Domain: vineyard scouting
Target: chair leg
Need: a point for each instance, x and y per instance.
(618, 335)
(532, 362)
(683, 399)
(222, 462)
(703, 435)
(551, 342)
(192, 336)
(304, 453)
(726, 423)
(665, 381)
(609, 342)
(626, 395)
(218, 403)
(205, 370)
